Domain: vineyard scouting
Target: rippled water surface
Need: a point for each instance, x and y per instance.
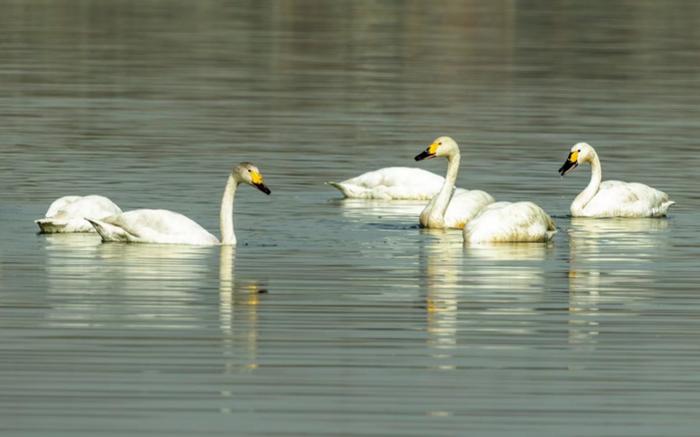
(336, 317)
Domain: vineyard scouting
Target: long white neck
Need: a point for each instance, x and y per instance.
(590, 191)
(434, 214)
(226, 214)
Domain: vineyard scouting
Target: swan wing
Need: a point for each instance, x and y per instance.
(510, 222)
(401, 183)
(465, 204)
(628, 199)
(156, 226)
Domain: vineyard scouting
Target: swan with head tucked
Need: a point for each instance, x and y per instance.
(167, 227)
(510, 222)
(67, 214)
(612, 198)
(450, 207)
(391, 183)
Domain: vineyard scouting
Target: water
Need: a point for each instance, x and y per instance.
(337, 317)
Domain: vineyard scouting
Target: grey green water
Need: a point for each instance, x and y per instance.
(337, 317)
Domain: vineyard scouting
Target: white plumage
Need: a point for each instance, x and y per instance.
(392, 183)
(612, 198)
(450, 207)
(509, 222)
(167, 227)
(68, 213)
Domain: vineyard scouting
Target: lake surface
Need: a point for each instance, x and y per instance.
(336, 317)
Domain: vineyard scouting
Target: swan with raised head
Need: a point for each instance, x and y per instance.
(510, 222)
(450, 207)
(67, 213)
(391, 183)
(612, 198)
(167, 227)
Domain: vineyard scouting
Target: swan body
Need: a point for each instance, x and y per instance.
(392, 183)
(507, 222)
(68, 213)
(612, 198)
(168, 227)
(450, 207)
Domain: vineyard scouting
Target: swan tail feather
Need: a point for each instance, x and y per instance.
(51, 226)
(347, 190)
(549, 234)
(109, 232)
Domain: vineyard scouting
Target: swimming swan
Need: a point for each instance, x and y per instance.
(67, 213)
(391, 183)
(612, 198)
(167, 227)
(510, 222)
(450, 209)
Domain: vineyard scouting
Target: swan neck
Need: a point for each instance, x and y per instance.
(226, 214)
(442, 200)
(593, 186)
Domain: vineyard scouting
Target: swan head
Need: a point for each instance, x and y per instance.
(249, 174)
(579, 153)
(441, 146)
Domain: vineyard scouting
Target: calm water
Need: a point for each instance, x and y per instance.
(336, 317)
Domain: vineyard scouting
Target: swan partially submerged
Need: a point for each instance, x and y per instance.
(68, 213)
(450, 207)
(391, 183)
(612, 198)
(167, 227)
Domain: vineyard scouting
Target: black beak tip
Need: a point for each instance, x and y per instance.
(263, 188)
(421, 156)
(566, 167)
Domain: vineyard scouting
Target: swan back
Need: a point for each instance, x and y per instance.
(155, 226)
(398, 183)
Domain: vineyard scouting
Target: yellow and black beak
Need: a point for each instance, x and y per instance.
(427, 153)
(570, 163)
(258, 183)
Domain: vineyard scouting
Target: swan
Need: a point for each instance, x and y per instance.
(167, 227)
(66, 214)
(450, 208)
(612, 198)
(510, 222)
(392, 183)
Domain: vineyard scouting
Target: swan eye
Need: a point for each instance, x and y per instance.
(250, 171)
(439, 144)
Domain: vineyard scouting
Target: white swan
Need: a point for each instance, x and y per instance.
(510, 222)
(167, 227)
(391, 183)
(612, 198)
(450, 208)
(67, 214)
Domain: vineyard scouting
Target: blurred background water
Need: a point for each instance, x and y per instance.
(337, 317)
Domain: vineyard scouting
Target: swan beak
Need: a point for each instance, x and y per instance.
(570, 163)
(262, 187)
(427, 153)
(257, 180)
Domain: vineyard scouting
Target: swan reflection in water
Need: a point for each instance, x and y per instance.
(238, 320)
(610, 262)
(361, 209)
(136, 286)
(238, 314)
(488, 281)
